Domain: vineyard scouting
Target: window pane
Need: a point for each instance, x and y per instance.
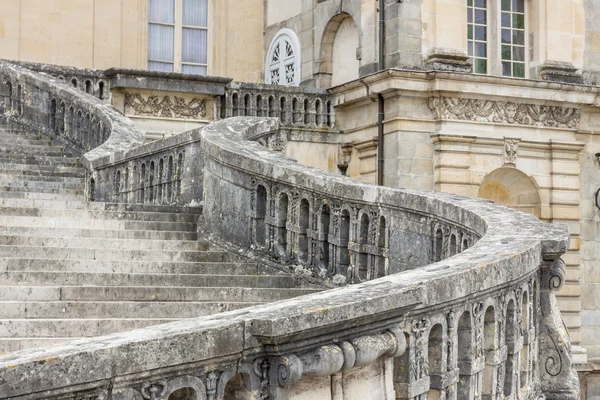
(505, 20)
(470, 61)
(470, 32)
(519, 37)
(519, 70)
(480, 17)
(505, 5)
(194, 46)
(470, 3)
(518, 21)
(470, 15)
(480, 33)
(518, 6)
(159, 66)
(506, 36)
(480, 49)
(161, 11)
(505, 52)
(195, 12)
(160, 42)
(506, 69)
(480, 3)
(480, 66)
(470, 47)
(193, 69)
(518, 53)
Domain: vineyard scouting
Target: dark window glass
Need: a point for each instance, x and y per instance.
(506, 69)
(505, 20)
(480, 49)
(480, 17)
(480, 33)
(506, 52)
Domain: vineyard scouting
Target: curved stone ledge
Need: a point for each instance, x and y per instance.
(432, 328)
(43, 98)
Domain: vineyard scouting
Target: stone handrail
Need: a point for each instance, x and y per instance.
(78, 120)
(480, 324)
(295, 107)
(164, 172)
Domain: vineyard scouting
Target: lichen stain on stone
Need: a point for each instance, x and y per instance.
(316, 309)
(49, 359)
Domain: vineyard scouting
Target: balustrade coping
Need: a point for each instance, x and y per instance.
(512, 248)
(123, 134)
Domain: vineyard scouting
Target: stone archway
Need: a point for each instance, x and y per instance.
(512, 188)
(338, 61)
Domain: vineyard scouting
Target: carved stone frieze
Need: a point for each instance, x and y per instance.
(167, 106)
(504, 112)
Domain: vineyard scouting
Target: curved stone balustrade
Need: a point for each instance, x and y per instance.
(482, 324)
(79, 121)
(295, 107)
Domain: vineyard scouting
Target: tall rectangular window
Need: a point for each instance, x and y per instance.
(477, 26)
(513, 38)
(178, 36)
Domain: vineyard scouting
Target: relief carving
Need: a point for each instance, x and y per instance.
(503, 112)
(169, 107)
(511, 146)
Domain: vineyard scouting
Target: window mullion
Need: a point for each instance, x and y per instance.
(178, 34)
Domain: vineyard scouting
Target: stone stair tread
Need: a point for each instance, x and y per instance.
(104, 243)
(98, 233)
(121, 215)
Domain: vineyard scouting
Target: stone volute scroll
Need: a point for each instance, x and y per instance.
(287, 371)
(559, 380)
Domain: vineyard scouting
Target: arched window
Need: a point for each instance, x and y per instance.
(283, 59)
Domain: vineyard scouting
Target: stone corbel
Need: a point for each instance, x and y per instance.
(558, 71)
(287, 371)
(448, 61)
(559, 379)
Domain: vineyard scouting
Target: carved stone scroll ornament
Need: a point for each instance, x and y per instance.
(558, 377)
(327, 360)
(503, 112)
(169, 107)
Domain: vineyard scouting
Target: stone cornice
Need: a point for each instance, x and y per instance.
(504, 112)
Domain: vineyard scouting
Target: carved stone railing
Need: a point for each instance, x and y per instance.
(295, 107)
(79, 121)
(482, 324)
(164, 172)
(91, 81)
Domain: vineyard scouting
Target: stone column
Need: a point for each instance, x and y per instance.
(559, 380)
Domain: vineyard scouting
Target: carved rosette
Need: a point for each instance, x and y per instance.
(502, 112)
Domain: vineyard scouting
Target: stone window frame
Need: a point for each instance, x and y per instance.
(178, 27)
(494, 41)
(284, 36)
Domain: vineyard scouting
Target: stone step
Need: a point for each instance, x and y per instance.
(94, 223)
(24, 176)
(49, 170)
(9, 345)
(33, 328)
(113, 309)
(116, 215)
(97, 233)
(43, 149)
(101, 243)
(149, 267)
(39, 160)
(5, 191)
(148, 293)
(58, 253)
(40, 185)
(157, 280)
(42, 196)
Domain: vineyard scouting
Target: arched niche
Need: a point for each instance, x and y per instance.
(283, 64)
(338, 62)
(511, 188)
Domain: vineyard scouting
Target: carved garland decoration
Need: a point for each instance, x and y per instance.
(504, 112)
(168, 107)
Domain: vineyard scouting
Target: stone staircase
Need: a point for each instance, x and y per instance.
(71, 268)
